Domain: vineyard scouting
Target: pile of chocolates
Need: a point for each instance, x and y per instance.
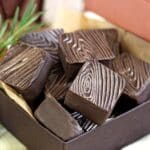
(75, 82)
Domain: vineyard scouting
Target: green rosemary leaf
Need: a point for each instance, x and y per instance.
(33, 19)
(35, 27)
(18, 28)
(14, 22)
(27, 13)
(27, 18)
(28, 9)
(4, 27)
(33, 10)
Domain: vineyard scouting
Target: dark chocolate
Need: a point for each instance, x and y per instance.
(82, 46)
(57, 84)
(124, 104)
(27, 72)
(54, 117)
(137, 75)
(111, 36)
(47, 40)
(14, 51)
(112, 39)
(86, 124)
(95, 91)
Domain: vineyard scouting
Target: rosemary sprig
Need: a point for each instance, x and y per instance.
(11, 33)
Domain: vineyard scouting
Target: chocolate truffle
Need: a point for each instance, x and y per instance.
(95, 91)
(82, 46)
(47, 40)
(137, 75)
(111, 36)
(57, 84)
(14, 51)
(55, 118)
(27, 72)
(112, 39)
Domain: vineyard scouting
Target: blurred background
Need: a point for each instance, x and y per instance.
(51, 8)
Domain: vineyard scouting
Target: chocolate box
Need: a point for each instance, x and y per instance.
(110, 136)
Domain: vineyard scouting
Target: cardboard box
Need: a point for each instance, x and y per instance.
(110, 136)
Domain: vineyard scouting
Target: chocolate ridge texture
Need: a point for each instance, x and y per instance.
(95, 91)
(137, 75)
(27, 72)
(47, 40)
(57, 84)
(81, 46)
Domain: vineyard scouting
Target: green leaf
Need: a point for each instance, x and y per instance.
(15, 20)
(33, 19)
(27, 12)
(3, 29)
(28, 16)
(34, 27)
(18, 28)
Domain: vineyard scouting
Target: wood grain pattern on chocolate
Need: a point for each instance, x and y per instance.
(86, 124)
(54, 117)
(137, 75)
(14, 51)
(81, 46)
(57, 84)
(27, 72)
(112, 39)
(111, 36)
(47, 40)
(95, 91)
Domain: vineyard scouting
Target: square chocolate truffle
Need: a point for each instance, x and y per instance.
(55, 118)
(113, 40)
(95, 91)
(137, 75)
(82, 46)
(27, 72)
(13, 51)
(47, 40)
(57, 84)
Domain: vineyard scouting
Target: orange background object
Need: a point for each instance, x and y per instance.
(133, 15)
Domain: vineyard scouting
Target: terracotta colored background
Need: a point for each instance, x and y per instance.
(133, 15)
(7, 7)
